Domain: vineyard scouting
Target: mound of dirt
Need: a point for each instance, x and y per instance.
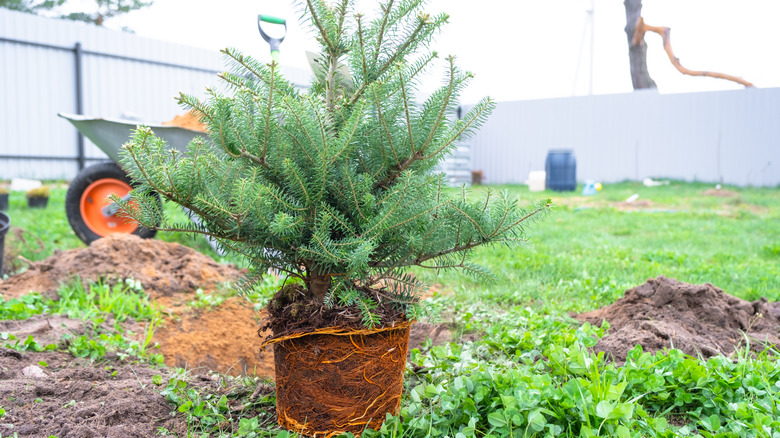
(722, 193)
(698, 319)
(223, 339)
(51, 393)
(162, 268)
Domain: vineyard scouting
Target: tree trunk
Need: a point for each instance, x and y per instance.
(318, 285)
(637, 53)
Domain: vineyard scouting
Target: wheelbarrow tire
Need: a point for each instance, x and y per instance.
(84, 202)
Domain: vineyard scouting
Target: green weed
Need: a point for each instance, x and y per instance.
(234, 412)
(533, 375)
(94, 304)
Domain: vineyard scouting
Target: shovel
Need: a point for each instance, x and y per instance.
(274, 42)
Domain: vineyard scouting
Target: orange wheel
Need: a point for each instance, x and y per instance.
(87, 197)
(95, 198)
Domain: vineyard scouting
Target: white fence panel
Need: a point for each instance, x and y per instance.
(121, 74)
(728, 137)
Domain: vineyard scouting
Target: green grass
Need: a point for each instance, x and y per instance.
(95, 305)
(589, 251)
(530, 373)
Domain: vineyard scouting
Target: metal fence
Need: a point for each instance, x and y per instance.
(730, 137)
(50, 66)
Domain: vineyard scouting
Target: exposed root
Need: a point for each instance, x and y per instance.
(336, 380)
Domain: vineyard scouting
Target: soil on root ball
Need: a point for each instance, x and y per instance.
(294, 310)
(333, 373)
(699, 319)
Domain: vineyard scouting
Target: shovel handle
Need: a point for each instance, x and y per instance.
(273, 42)
(273, 20)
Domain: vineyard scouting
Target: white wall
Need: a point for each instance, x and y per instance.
(724, 136)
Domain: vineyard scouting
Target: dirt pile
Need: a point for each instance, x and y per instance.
(162, 268)
(722, 193)
(223, 339)
(51, 393)
(698, 319)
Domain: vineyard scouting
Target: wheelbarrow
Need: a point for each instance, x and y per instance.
(90, 212)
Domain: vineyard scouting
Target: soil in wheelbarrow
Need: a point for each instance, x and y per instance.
(699, 319)
(188, 120)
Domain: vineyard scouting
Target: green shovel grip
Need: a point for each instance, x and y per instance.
(274, 20)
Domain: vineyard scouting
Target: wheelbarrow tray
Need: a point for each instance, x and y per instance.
(110, 134)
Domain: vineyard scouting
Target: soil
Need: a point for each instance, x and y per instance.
(187, 120)
(45, 329)
(294, 310)
(163, 268)
(641, 204)
(223, 339)
(438, 334)
(51, 393)
(723, 193)
(699, 319)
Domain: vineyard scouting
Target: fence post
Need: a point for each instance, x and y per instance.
(79, 105)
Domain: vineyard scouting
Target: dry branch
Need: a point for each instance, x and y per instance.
(639, 35)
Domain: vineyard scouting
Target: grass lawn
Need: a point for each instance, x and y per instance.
(530, 372)
(591, 249)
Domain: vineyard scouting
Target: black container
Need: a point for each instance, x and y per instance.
(3, 201)
(37, 202)
(561, 169)
(5, 225)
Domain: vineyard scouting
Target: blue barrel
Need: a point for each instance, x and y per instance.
(561, 168)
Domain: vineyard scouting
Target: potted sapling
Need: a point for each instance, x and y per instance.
(38, 197)
(335, 187)
(4, 194)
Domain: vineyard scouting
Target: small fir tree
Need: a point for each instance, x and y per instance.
(336, 185)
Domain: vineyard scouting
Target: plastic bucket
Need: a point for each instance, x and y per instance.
(537, 180)
(5, 225)
(561, 168)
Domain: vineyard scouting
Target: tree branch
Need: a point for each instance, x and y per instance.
(639, 35)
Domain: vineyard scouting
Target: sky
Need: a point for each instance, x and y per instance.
(521, 49)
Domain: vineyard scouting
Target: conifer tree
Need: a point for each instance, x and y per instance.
(335, 185)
